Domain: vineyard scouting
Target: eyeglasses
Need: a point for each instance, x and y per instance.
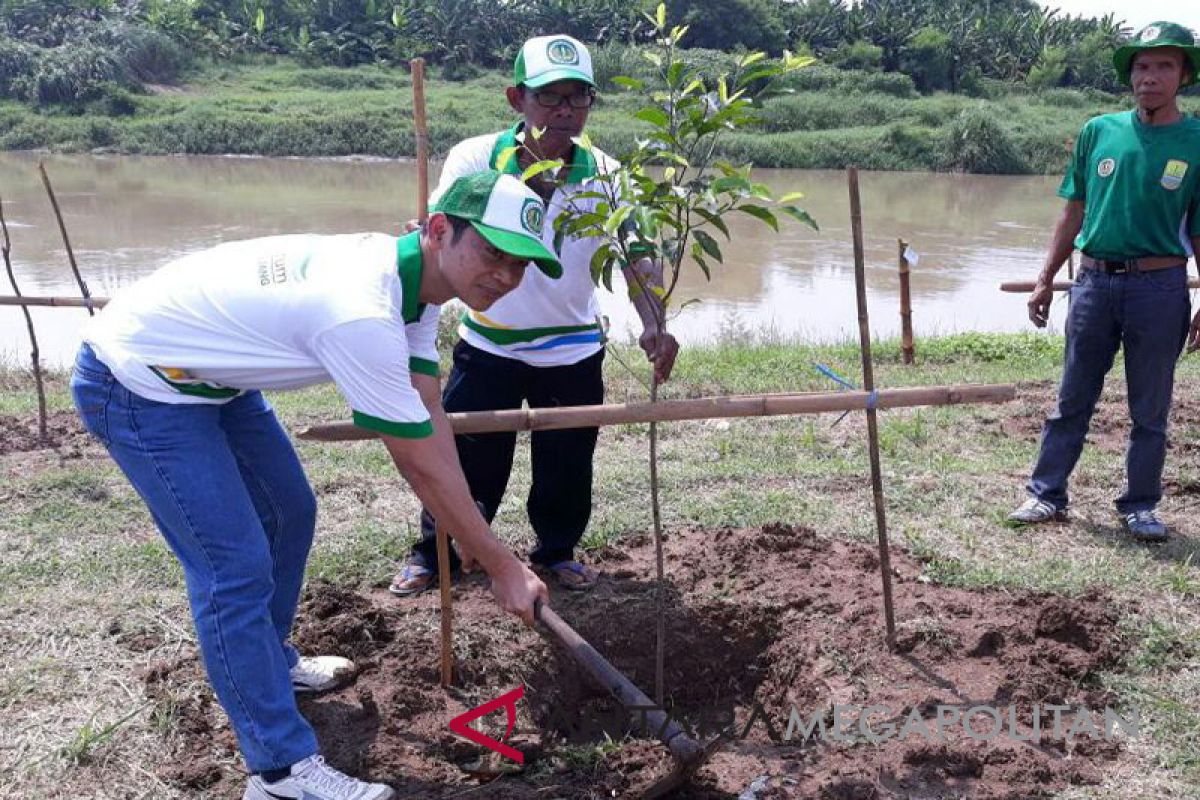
(547, 99)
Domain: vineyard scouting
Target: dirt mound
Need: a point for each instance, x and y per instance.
(775, 637)
(20, 434)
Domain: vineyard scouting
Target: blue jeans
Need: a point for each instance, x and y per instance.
(229, 495)
(1147, 314)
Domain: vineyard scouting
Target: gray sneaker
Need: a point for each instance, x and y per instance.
(1034, 511)
(313, 779)
(1145, 526)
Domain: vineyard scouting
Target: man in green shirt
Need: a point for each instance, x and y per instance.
(1133, 210)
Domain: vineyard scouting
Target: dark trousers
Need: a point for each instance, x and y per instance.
(1147, 314)
(560, 497)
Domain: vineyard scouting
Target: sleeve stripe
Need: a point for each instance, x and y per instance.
(423, 366)
(402, 430)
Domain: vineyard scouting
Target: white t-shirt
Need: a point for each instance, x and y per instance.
(280, 312)
(544, 322)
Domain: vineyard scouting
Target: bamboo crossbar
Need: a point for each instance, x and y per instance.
(58, 302)
(1062, 286)
(762, 405)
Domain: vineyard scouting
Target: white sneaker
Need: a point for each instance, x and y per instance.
(314, 674)
(313, 779)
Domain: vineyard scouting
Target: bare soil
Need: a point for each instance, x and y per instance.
(759, 621)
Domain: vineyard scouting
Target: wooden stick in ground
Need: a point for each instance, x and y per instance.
(34, 355)
(420, 137)
(56, 302)
(864, 337)
(761, 405)
(62, 227)
(906, 332)
(443, 554)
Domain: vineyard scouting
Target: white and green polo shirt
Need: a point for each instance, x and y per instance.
(281, 312)
(543, 322)
(1140, 185)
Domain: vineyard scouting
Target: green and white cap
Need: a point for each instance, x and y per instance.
(503, 211)
(546, 59)
(1157, 34)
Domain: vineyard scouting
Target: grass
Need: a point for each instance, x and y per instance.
(834, 118)
(83, 573)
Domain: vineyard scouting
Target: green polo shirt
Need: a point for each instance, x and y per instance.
(1140, 185)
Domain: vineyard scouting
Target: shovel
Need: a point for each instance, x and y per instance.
(689, 754)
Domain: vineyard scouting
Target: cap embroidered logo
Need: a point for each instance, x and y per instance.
(1150, 33)
(532, 215)
(560, 51)
(1106, 167)
(1172, 177)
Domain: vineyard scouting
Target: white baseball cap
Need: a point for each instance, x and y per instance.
(503, 211)
(546, 59)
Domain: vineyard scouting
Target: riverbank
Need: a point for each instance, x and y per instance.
(834, 118)
(92, 603)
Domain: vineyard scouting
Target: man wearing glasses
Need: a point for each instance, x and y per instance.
(542, 344)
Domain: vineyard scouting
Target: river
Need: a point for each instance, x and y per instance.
(127, 215)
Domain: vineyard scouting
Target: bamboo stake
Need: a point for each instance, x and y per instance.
(1021, 287)
(62, 227)
(443, 554)
(35, 354)
(421, 138)
(56, 302)
(760, 405)
(906, 332)
(864, 336)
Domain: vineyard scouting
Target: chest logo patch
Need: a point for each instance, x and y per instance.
(1106, 167)
(1172, 177)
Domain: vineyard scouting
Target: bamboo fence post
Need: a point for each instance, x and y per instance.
(864, 336)
(906, 331)
(737, 406)
(35, 356)
(421, 139)
(447, 610)
(62, 227)
(56, 302)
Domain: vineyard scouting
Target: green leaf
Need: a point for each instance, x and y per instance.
(629, 83)
(698, 257)
(653, 58)
(675, 73)
(709, 244)
(660, 16)
(655, 116)
(584, 141)
(260, 21)
(678, 32)
(533, 170)
(597, 263)
(696, 84)
(761, 213)
(801, 215)
(398, 20)
(617, 220)
(751, 58)
(715, 221)
(791, 197)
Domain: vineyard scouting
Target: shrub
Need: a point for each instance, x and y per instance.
(975, 142)
(858, 55)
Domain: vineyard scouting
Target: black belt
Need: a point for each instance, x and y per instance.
(1111, 266)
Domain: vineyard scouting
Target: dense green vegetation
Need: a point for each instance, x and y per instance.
(902, 84)
(835, 118)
